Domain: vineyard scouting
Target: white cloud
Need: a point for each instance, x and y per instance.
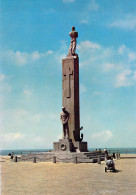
(28, 93)
(59, 136)
(9, 140)
(35, 55)
(108, 67)
(134, 76)
(59, 57)
(62, 52)
(125, 78)
(53, 115)
(128, 22)
(39, 139)
(113, 62)
(21, 128)
(84, 21)
(132, 56)
(37, 117)
(5, 88)
(2, 77)
(19, 119)
(102, 136)
(121, 49)
(93, 54)
(22, 58)
(93, 6)
(85, 14)
(85, 45)
(19, 58)
(17, 135)
(49, 52)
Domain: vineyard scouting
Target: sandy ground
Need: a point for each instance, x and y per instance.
(67, 178)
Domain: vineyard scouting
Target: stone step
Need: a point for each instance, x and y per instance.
(83, 157)
(94, 155)
(87, 161)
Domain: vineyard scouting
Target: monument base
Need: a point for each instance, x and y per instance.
(80, 146)
(81, 157)
(64, 145)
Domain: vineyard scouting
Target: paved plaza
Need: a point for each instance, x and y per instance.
(67, 178)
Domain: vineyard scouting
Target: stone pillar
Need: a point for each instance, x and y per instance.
(70, 94)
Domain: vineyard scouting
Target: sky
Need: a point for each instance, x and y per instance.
(34, 36)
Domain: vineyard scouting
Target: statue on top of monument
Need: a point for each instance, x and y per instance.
(64, 117)
(73, 34)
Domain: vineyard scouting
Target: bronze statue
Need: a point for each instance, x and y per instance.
(73, 34)
(64, 117)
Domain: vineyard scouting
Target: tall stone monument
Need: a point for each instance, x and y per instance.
(70, 115)
(70, 148)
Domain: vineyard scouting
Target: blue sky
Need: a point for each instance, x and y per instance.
(34, 39)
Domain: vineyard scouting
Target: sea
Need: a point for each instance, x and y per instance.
(27, 151)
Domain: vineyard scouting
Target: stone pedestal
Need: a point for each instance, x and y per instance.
(64, 145)
(80, 146)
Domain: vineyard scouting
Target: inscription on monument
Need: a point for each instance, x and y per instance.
(67, 73)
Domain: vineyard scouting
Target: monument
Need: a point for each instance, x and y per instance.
(70, 116)
(70, 148)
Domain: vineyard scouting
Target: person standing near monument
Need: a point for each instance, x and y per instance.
(64, 117)
(106, 153)
(73, 34)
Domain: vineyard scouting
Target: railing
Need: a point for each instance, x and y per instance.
(122, 151)
(110, 151)
(20, 152)
(117, 150)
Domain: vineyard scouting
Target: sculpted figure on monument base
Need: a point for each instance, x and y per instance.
(73, 34)
(64, 117)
